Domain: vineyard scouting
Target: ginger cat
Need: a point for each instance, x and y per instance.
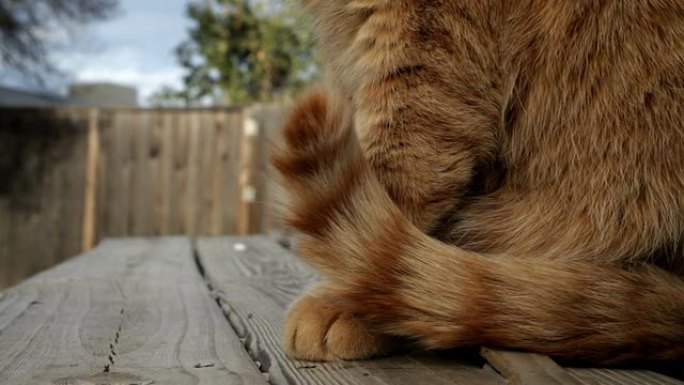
(488, 172)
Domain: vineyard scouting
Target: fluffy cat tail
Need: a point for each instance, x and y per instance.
(409, 284)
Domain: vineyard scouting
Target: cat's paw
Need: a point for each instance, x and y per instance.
(315, 330)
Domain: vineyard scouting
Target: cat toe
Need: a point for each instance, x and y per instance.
(317, 331)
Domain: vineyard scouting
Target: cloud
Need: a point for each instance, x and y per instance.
(136, 49)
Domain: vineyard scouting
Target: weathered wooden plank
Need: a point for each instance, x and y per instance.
(207, 145)
(118, 173)
(247, 190)
(591, 376)
(5, 225)
(105, 125)
(142, 184)
(51, 208)
(166, 186)
(91, 183)
(179, 210)
(194, 187)
(129, 312)
(255, 280)
(72, 190)
(231, 171)
(220, 152)
(154, 171)
(528, 369)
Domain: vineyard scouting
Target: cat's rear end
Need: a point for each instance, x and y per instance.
(542, 140)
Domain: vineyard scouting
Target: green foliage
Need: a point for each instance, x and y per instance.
(242, 51)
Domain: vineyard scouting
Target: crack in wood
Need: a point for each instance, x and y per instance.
(259, 357)
(112, 346)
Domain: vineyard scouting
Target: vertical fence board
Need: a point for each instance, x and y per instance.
(73, 190)
(105, 157)
(246, 191)
(179, 210)
(118, 176)
(193, 178)
(91, 169)
(140, 184)
(217, 169)
(231, 172)
(153, 171)
(204, 173)
(166, 188)
(50, 206)
(5, 225)
(23, 197)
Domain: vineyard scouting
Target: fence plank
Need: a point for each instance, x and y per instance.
(50, 209)
(179, 210)
(153, 171)
(103, 198)
(193, 179)
(141, 183)
(92, 168)
(72, 190)
(166, 150)
(204, 172)
(118, 176)
(231, 172)
(5, 225)
(217, 193)
(247, 192)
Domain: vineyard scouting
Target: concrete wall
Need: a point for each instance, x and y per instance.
(104, 95)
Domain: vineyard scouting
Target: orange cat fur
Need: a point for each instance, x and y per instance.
(503, 173)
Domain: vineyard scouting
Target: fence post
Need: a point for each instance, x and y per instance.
(91, 171)
(250, 130)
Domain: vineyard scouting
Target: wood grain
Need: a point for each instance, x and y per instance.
(180, 175)
(165, 182)
(70, 220)
(129, 312)
(528, 369)
(231, 173)
(140, 189)
(193, 187)
(594, 376)
(255, 280)
(92, 167)
(118, 176)
(5, 225)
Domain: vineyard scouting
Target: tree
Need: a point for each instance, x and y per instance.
(242, 51)
(28, 29)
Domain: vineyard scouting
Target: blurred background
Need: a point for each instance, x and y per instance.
(128, 118)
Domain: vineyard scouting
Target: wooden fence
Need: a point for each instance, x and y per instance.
(70, 177)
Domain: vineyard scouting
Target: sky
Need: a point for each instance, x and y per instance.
(134, 48)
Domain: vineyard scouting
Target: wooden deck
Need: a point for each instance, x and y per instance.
(162, 311)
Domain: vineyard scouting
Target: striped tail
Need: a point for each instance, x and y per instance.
(442, 296)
